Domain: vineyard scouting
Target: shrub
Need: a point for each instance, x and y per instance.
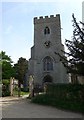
(72, 92)
(5, 82)
(27, 90)
(64, 96)
(5, 88)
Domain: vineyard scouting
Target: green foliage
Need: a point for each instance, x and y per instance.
(4, 57)
(5, 93)
(65, 91)
(22, 89)
(76, 49)
(20, 70)
(5, 81)
(0, 89)
(63, 96)
(0, 81)
(7, 70)
(21, 93)
(24, 93)
(5, 87)
(6, 65)
(75, 54)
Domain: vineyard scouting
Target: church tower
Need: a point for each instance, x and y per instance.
(44, 64)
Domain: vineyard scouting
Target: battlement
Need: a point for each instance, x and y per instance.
(48, 18)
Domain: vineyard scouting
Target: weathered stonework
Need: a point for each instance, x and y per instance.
(46, 45)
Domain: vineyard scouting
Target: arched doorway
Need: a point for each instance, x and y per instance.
(47, 79)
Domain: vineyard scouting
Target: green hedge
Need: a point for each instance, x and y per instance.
(70, 92)
(64, 96)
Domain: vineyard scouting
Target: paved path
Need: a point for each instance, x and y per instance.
(14, 107)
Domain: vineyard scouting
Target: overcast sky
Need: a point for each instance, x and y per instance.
(17, 23)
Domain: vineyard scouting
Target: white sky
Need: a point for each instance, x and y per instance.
(17, 22)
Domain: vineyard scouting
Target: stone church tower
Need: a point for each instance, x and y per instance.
(44, 64)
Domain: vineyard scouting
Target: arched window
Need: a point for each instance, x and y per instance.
(47, 64)
(46, 30)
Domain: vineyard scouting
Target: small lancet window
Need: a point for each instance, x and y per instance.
(46, 30)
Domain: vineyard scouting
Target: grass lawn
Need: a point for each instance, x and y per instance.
(22, 93)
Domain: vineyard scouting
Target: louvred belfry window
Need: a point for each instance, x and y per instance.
(46, 30)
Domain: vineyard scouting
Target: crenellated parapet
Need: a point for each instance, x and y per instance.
(50, 18)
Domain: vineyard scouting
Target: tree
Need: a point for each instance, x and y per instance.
(6, 65)
(21, 67)
(75, 61)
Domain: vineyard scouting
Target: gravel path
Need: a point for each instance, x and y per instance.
(13, 107)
